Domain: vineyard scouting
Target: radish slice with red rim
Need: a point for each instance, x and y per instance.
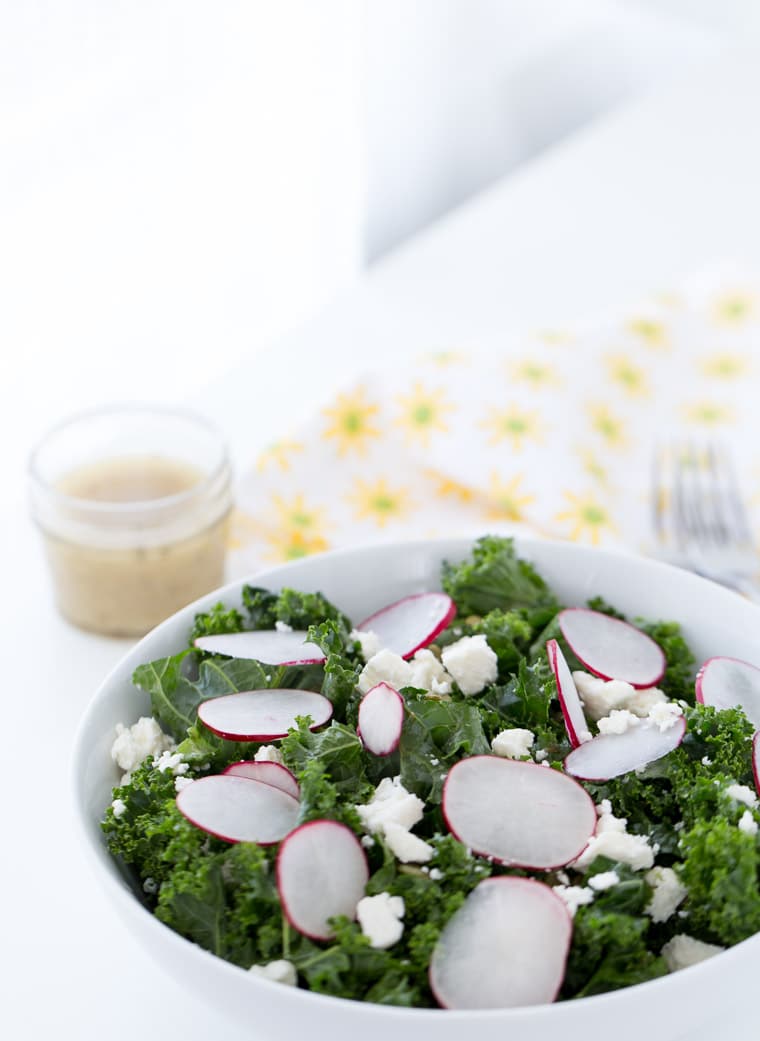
(381, 719)
(611, 648)
(611, 755)
(412, 623)
(570, 703)
(505, 947)
(261, 715)
(521, 814)
(756, 760)
(268, 646)
(268, 773)
(238, 809)
(730, 683)
(321, 873)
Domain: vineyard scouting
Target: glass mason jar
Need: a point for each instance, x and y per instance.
(132, 503)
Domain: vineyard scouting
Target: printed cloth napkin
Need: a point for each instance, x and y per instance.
(555, 435)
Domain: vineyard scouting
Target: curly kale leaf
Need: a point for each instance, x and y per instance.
(338, 752)
(524, 701)
(218, 620)
(678, 681)
(720, 871)
(609, 951)
(436, 733)
(150, 834)
(175, 695)
(340, 673)
(494, 577)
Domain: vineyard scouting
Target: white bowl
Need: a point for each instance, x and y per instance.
(714, 620)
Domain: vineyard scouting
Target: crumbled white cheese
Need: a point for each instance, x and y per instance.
(134, 744)
(665, 714)
(683, 951)
(748, 824)
(618, 721)
(600, 696)
(407, 848)
(668, 893)
(280, 971)
(119, 807)
(612, 840)
(385, 667)
(706, 760)
(369, 643)
(268, 754)
(391, 804)
(541, 755)
(436, 874)
(429, 674)
(574, 896)
(283, 627)
(471, 662)
(367, 841)
(513, 744)
(741, 793)
(150, 886)
(171, 761)
(181, 782)
(380, 918)
(604, 880)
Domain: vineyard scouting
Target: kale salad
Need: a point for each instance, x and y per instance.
(477, 797)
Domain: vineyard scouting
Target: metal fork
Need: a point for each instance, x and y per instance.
(700, 518)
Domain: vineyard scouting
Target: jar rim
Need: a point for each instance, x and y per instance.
(106, 508)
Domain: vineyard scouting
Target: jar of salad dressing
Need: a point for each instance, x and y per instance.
(132, 504)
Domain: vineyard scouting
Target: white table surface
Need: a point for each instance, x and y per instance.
(630, 204)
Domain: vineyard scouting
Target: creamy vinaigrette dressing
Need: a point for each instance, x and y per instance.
(152, 540)
(136, 478)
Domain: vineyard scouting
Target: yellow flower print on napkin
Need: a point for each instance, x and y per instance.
(379, 501)
(351, 422)
(631, 378)
(506, 500)
(724, 365)
(734, 307)
(588, 518)
(514, 425)
(609, 426)
(278, 454)
(296, 528)
(708, 413)
(443, 359)
(536, 374)
(592, 465)
(650, 331)
(422, 412)
(447, 488)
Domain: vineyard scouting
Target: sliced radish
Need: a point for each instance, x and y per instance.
(381, 718)
(730, 683)
(321, 873)
(261, 715)
(570, 702)
(611, 755)
(268, 773)
(521, 814)
(238, 809)
(411, 623)
(265, 645)
(756, 760)
(612, 649)
(505, 947)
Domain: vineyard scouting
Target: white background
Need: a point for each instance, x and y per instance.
(184, 181)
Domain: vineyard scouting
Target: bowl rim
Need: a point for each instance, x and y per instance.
(126, 899)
